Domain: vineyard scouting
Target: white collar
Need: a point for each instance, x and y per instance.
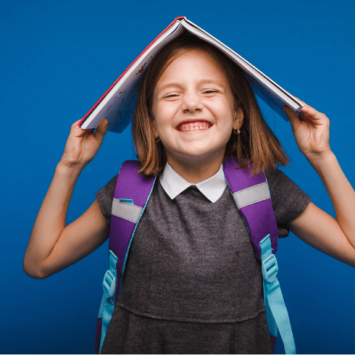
(174, 184)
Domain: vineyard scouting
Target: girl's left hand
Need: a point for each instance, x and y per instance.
(311, 132)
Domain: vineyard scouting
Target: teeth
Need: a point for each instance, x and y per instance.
(194, 126)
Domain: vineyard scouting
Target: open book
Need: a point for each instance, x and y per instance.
(118, 103)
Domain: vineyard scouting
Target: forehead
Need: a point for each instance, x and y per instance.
(193, 64)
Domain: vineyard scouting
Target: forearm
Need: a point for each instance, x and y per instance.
(51, 218)
(340, 192)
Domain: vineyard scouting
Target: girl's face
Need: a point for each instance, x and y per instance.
(193, 108)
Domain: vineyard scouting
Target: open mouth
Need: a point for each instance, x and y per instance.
(198, 125)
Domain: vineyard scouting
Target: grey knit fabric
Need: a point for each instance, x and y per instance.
(192, 274)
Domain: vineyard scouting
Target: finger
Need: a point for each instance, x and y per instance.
(101, 130)
(81, 132)
(292, 117)
(304, 108)
(77, 131)
(312, 115)
(304, 117)
(308, 113)
(76, 123)
(309, 110)
(302, 102)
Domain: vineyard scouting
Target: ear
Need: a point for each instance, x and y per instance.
(154, 127)
(238, 118)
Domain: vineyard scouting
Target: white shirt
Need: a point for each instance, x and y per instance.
(173, 184)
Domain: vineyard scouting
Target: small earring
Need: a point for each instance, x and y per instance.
(238, 132)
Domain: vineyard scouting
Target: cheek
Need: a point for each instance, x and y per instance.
(164, 115)
(225, 129)
(221, 109)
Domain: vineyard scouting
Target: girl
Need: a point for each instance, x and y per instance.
(192, 283)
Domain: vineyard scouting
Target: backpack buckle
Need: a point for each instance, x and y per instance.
(109, 284)
(270, 268)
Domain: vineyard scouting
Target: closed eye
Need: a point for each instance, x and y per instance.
(172, 95)
(205, 92)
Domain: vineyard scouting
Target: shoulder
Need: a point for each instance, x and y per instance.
(275, 176)
(280, 184)
(288, 199)
(109, 187)
(105, 196)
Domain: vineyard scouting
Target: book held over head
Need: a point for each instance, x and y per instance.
(118, 102)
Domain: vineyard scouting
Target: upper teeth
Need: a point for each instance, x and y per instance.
(194, 126)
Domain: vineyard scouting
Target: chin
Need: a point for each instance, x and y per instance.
(201, 153)
(196, 150)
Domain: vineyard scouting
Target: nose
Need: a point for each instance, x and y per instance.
(191, 102)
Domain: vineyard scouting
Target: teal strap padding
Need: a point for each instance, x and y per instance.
(108, 299)
(276, 312)
(126, 200)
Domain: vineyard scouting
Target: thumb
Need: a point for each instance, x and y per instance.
(101, 130)
(292, 117)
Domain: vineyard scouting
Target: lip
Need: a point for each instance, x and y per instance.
(192, 121)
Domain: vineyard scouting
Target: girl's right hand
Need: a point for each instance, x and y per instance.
(82, 144)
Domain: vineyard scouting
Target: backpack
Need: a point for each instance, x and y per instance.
(252, 197)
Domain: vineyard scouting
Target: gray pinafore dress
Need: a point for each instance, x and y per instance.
(192, 282)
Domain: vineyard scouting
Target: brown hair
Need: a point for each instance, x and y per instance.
(256, 144)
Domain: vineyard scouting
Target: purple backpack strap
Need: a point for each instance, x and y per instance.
(252, 197)
(133, 190)
(130, 199)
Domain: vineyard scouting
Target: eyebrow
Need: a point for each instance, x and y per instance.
(205, 81)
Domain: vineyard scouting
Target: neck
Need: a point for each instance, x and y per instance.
(196, 169)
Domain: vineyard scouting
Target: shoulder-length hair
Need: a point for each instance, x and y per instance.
(256, 144)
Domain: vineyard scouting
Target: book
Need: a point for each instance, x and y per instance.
(118, 102)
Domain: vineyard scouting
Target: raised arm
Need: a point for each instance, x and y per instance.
(335, 237)
(52, 245)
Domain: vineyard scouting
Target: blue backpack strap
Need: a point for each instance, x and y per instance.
(252, 198)
(276, 312)
(131, 196)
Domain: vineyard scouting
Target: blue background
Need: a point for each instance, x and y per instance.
(57, 59)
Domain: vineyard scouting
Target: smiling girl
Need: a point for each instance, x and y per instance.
(192, 283)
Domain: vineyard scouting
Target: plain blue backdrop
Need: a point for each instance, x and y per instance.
(57, 59)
